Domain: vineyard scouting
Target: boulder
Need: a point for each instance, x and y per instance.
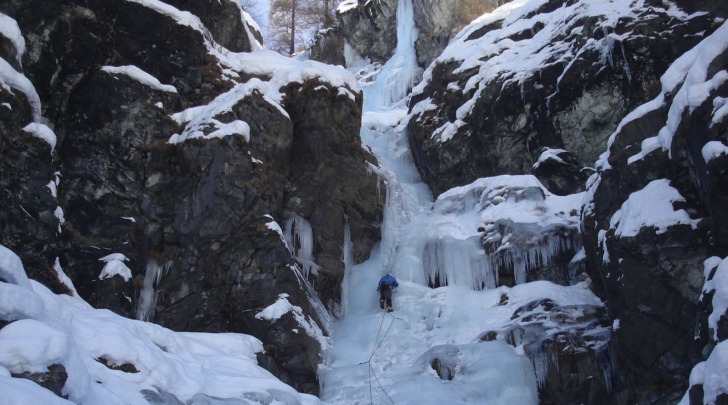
(53, 380)
(560, 172)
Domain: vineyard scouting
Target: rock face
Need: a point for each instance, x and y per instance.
(569, 347)
(195, 202)
(690, 162)
(329, 47)
(439, 21)
(471, 121)
(371, 29)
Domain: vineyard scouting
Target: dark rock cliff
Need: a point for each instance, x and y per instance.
(496, 120)
(654, 277)
(371, 29)
(198, 220)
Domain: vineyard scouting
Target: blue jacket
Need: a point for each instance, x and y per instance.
(388, 280)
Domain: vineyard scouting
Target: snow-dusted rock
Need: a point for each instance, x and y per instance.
(652, 217)
(536, 74)
(178, 139)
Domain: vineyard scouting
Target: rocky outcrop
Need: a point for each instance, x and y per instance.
(569, 347)
(370, 29)
(439, 21)
(665, 165)
(560, 172)
(328, 184)
(487, 108)
(161, 147)
(52, 380)
(225, 22)
(328, 47)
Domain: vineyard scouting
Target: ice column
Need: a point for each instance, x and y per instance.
(348, 258)
(401, 71)
(148, 295)
(395, 216)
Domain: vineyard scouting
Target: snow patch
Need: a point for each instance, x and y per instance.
(713, 149)
(140, 76)
(651, 207)
(115, 266)
(41, 131)
(171, 367)
(9, 29)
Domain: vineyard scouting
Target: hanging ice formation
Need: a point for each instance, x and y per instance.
(521, 248)
(577, 266)
(401, 71)
(313, 298)
(453, 261)
(299, 238)
(348, 259)
(522, 228)
(148, 294)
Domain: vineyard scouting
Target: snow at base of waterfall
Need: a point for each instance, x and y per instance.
(93, 345)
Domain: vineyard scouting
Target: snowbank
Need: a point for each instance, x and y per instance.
(92, 344)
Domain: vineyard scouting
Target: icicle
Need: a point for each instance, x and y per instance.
(607, 366)
(352, 58)
(299, 238)
(627, 69)
(148, 296)
(523, 250)
(519, 270)
(608, 50)
(348, 259)
(327, 321)
(577, 266)
(450, 261)
(543, 361)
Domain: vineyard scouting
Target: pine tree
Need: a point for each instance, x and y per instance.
(292, 22)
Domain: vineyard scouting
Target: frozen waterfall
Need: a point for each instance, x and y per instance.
(429, 349)
(401, 72)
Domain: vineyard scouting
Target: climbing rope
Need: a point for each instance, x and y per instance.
(377, 344)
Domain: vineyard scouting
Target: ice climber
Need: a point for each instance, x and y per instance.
(386, 284)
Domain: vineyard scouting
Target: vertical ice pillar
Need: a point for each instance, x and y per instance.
(148, 295)
(401, 71)
(395, 216)
(348, 258)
